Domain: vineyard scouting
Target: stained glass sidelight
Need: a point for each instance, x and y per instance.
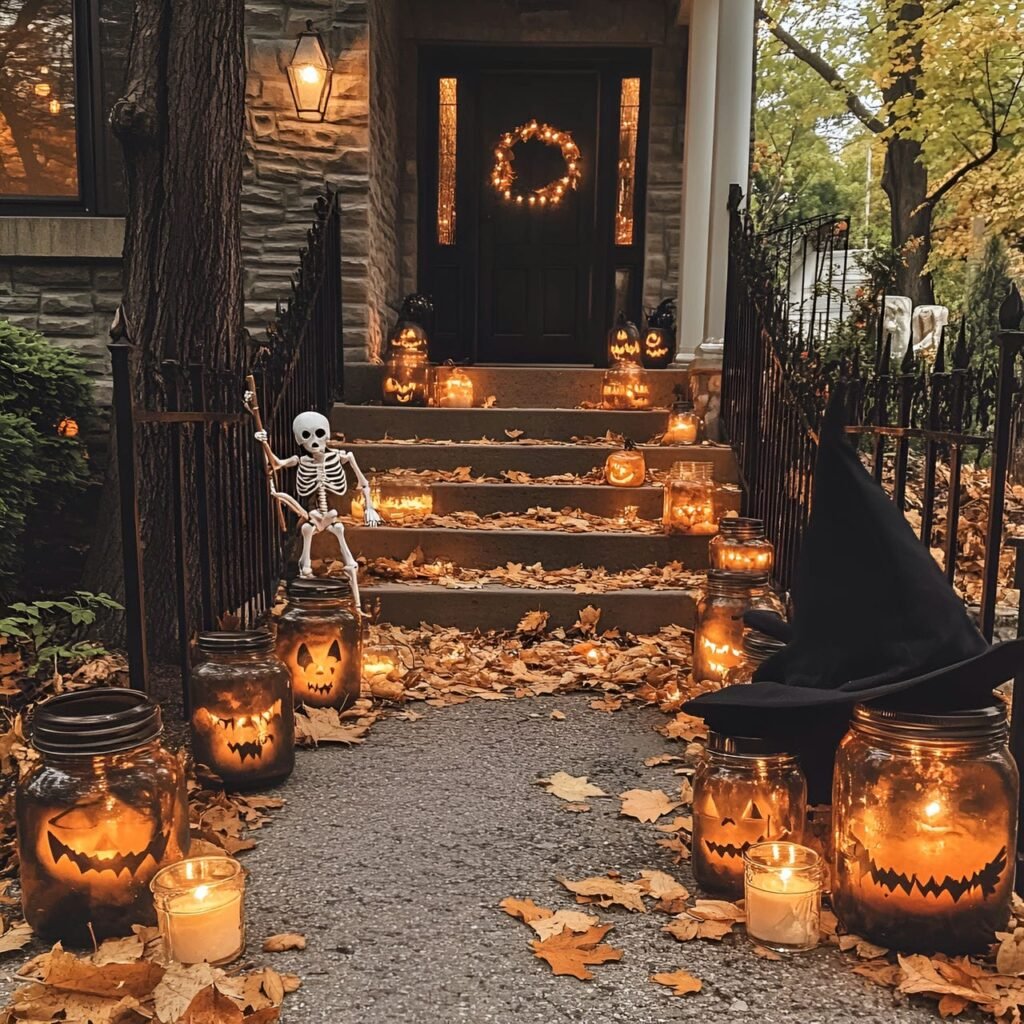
(629, 120)
(447, 123)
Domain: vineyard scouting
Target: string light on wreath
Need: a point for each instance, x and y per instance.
(503, 175)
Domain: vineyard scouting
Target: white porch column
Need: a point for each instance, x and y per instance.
(732, 144)
(698, 146)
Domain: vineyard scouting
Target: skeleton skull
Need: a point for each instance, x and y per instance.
(311, 431)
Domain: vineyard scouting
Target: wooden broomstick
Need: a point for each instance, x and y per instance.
(253, 406)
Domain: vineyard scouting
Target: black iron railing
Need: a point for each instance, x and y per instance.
(227, 541)
(799, 324)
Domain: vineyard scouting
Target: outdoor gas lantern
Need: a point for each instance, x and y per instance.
(925, 823)
(688, 505)
(625, 387)
(683, 423)
(319, 638)
(453, 387)
(309, 75)
(98, 815)
(624, 342)
(243, 725)
(406, 380)
(407, 339)
(741, 545)
(718, 635)
(626, 467)
(745, 791)
(659, 340)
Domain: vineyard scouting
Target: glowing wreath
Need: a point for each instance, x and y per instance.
(503, 174)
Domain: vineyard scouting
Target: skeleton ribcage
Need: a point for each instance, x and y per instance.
(329, 475)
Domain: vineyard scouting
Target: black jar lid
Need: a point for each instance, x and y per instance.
(318, 588)
(760, 646)
(244, 641)
(732, 581)
(969, 724)
(87, 723)
(741, 527)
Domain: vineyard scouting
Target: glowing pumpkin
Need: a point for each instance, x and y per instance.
(406, 380)
(626, 468)
(407, 339)
(624, 342)
(660, 337)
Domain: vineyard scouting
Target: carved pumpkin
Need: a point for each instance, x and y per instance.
(660, 337)
(626, 468)
(406, 380)
(624, 342)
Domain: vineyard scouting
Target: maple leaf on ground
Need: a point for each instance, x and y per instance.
(646, 804)
(1010, 955)
(677, 847)
(679, 981)
(671, 896)
(314, 726)
(533, 622)
(523, 910)
(586, 621)
(558, 716)
(574, 789)
(570, 952)
(546, 922)
(15, 938)
(607, 892)
(284, 941)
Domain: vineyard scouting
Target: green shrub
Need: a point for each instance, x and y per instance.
(41, 469)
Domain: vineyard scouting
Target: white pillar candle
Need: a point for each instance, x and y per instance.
(205, 924)
(782, 886)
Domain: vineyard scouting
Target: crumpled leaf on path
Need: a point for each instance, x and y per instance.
(15, 938)
(646, 804)
(523, 910)
(211, 1006)
(864, 949)
(179, 986)
(669, 893)
(533, 622)
(1010, 954)
(574, 789)
(570, 952)
(607, 892)
(765, 953)
(706, 919)
(684, 727)
(675, 846)
(547, 922)
(283, 942)
(314, 726)
(586, 621)
(679, 981)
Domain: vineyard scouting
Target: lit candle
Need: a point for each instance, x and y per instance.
(199, 909)
(782, 886)
(682, 428)
(378, 661)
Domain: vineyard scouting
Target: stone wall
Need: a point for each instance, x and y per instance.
(650, 23)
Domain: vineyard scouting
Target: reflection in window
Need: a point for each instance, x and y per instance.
(629, 119)
(447, 123)
(38, 143)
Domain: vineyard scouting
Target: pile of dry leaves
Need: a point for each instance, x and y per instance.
(567, 520)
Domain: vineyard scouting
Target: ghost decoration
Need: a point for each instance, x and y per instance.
(926, 326)
(896, 322)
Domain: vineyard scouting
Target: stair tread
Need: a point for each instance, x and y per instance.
(504, 590)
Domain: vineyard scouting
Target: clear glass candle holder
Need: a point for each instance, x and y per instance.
(200, 908)
(782, 888)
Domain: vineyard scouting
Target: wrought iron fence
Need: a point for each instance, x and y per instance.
(228, 545)
(799, 324)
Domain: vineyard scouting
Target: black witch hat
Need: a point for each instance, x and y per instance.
(874, 620)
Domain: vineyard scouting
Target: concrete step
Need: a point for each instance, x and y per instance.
(481, 549)
(494, 607)
(371, 422)
(556, 387)
(487, 499)
(537, 460)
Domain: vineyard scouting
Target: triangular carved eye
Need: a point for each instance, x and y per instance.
(304, 658)
(335, 651)
(753, 812)
(710, 808)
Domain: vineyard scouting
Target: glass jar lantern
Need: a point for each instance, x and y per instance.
(718, 636)
(744, 792)
(319, 639)
(453, 387)
(243, 724)
(925, 823)
(683, 424)
(689, 499)
(625, 386)
(407, 339)
(757, 647)
(98, 815)
(741, 545)
(398, 499)
(406, 380)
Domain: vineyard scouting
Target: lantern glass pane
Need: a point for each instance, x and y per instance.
(38, 139)
(629, 120)
(447, 125)
(309, 75)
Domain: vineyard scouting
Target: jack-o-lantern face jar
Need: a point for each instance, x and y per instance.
(744, 792)
(659, 341)
(243, 724)
(103, 810)
(406, 380)
(626, 468)
(407, 339)
(925, 827)
(624, 342)
(319, 639)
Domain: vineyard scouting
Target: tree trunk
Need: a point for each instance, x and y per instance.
(180, 124)
(905, 181)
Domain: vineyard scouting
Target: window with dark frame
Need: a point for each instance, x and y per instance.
(62, 67)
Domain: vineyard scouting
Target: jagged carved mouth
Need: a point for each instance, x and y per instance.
(984, 881)
(250, 748)
(728, 850)
(115, 863)
(318, 677)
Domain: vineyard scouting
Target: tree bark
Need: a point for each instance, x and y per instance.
(180, 123)
(905, 182)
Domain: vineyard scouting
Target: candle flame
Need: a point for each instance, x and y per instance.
(202, 892)
(786, 874)
(932, 809)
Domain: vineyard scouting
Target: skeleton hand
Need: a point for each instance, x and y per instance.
(371, 517)
(247, 398)
(262, 436)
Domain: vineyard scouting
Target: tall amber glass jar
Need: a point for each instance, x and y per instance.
(98, 815)
(243, 724)
(744, 792)
(718, 637)
(320, 640)
(741, 545)
(925, 821)
(688, 505)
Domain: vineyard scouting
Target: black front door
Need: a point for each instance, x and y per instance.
(514, 282)
(537, 261)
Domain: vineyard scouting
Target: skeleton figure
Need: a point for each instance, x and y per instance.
(321, 471)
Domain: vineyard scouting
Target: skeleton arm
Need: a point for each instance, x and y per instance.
(371, 517)
(276, 464)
